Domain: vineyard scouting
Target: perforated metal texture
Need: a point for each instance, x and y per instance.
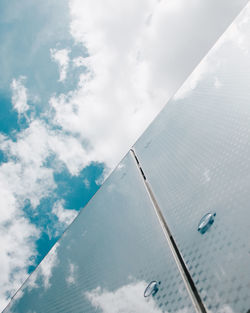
(107, 257)
(196, 156)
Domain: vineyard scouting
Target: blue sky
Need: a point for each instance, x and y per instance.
(80, 81)
(28, 32)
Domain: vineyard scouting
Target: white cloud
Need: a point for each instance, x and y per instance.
(138, 54)
(17, 241)
(128, 298)
(206, 67)
(22, 178)
(64, 216)
(237, 33)
(236, 36)
(70, 151)
(44, 270)
(39, 141)
(86, 183)
(61, 57)
(71, 278)
(79, 61)
(26, 176)
(47, 265)
(19, 95)
(130, 72)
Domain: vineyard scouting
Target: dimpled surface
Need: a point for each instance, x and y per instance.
(105, 260)
(196, 156)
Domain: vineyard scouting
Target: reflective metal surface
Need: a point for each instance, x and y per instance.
(196, 157)
(108, 256)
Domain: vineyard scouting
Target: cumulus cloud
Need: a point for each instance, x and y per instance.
(69, 150)
(127, 298)
(22, 178)
(17, 241)
(27, 177)
(19, 95)
(61, 57)
(138, 54)
(38, 142)
(64, 216)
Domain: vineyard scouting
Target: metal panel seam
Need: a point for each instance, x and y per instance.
(194, 295)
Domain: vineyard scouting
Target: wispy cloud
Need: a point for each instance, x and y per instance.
(72, 275)
(61, 57)
(19, 95)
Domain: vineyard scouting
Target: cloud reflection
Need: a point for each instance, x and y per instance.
(128, 298)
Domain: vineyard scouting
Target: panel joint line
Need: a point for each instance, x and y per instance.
(195, 297)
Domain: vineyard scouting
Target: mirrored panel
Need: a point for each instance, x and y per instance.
(196, 157)
(114, 258)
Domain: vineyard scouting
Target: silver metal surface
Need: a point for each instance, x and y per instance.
(196, 157)
(107, 257)
(178, 259)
